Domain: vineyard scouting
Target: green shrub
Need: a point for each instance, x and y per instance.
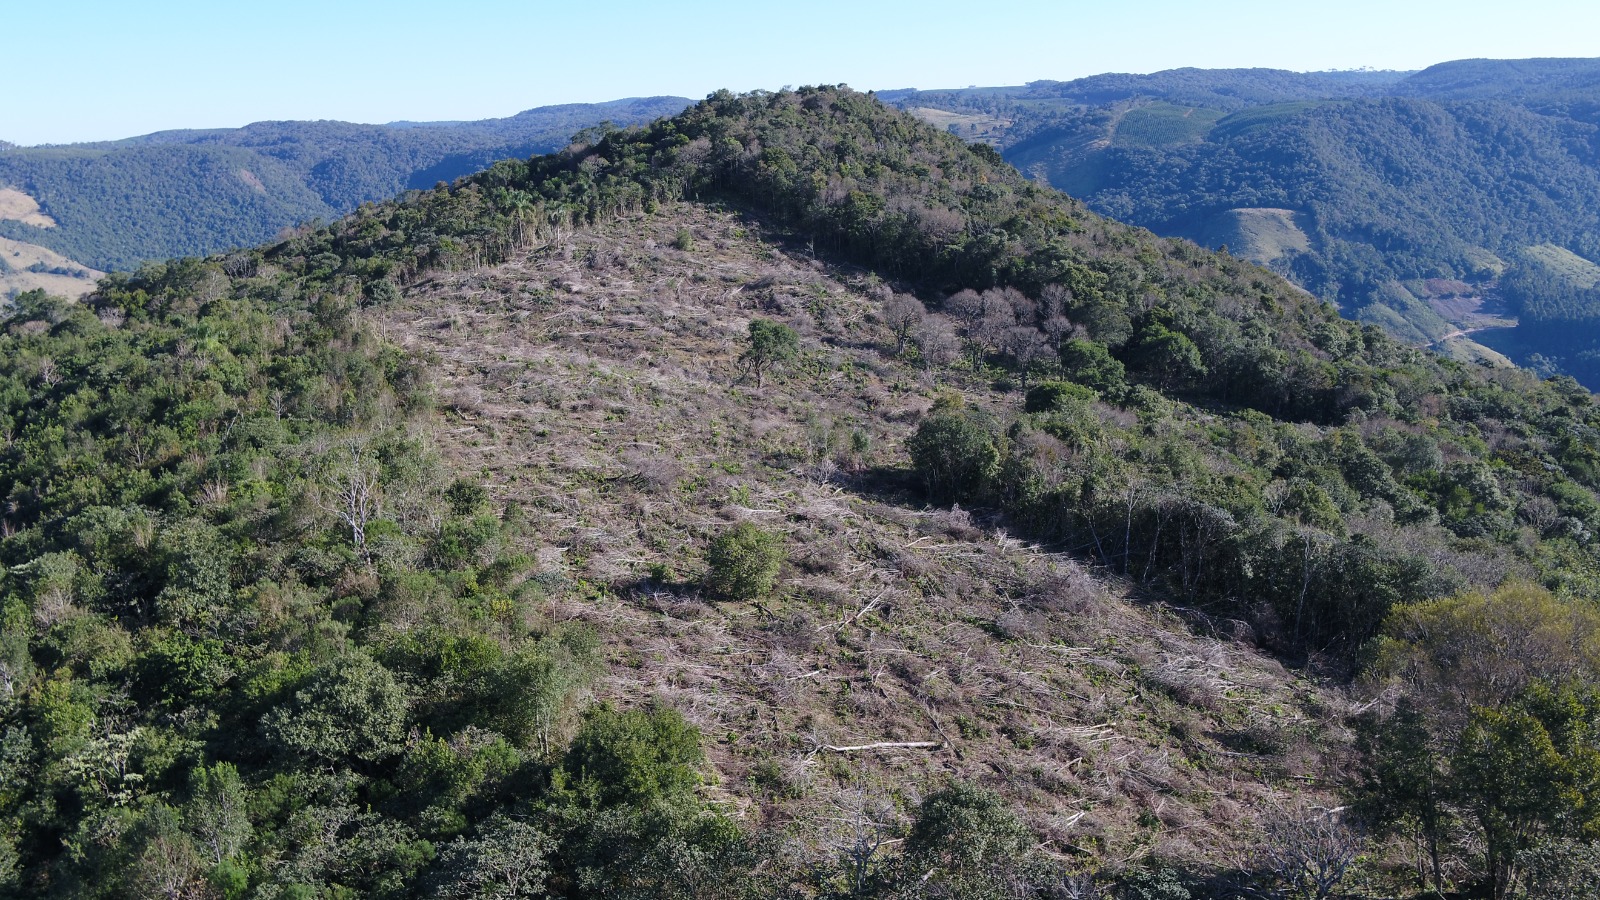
(743, 562)
(956, 454)
(633, 756)
(1088, 362)
(963, 843)
(772, 345)
(1050, 396)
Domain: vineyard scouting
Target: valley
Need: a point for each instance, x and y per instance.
(1389, 178)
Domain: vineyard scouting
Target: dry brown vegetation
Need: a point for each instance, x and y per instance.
(19, 207)
(15, 277)
(593, 382)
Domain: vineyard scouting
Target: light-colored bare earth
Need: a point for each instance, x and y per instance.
(249, 178)
(970, 126)
(1460, 346)
(19, 207)
(60, 276)
(594, 381)
(1263, 235)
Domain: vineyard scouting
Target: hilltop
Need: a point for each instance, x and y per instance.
(786, 498)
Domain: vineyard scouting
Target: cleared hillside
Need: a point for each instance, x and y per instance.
(26, 267)
(889, 503)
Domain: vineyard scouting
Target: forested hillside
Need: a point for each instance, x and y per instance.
(1423, 202)
(782, 499)
(181, 193)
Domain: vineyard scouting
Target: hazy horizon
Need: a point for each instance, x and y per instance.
(121, 71)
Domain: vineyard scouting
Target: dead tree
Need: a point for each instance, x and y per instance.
(354, 497)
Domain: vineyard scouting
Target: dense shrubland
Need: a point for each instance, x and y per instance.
(261, 639)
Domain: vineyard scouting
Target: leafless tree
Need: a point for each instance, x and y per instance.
(49, 372)
(903, 314)
(870, 822)
(1309, 852)
(1027, 346)
(354, 497)
(937, 342)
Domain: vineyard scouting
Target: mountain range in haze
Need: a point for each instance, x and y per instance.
(1455, 206)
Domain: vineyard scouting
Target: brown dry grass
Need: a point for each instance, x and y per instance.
(594, 382)
(19, 256)
(19, 207)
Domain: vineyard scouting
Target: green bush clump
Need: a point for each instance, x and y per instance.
(1052, 396)
(743, 562)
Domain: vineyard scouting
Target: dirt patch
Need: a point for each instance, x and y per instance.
(969, 126)
(249, 177)
(1471, 310)
(19, 207)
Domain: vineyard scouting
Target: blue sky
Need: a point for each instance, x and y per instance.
(90, 69)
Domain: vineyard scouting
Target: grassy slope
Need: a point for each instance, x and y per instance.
(1566, 264)
(595, 382)
(15, 259)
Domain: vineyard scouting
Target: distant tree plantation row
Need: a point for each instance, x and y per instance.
(264, 638)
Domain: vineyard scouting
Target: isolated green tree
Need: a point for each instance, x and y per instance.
(964, 840)
(772, 345)
(956, 454)
(742, 563)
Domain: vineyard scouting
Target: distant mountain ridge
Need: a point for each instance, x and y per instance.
(174, 193)
(1416, 200)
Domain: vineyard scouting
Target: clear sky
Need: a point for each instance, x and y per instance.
(97, 69)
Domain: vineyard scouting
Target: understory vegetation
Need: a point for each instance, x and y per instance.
(783, 499)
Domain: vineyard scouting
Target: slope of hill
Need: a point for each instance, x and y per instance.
(177, 193)
(1395, 178)
(28, 267)
(316, 556)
